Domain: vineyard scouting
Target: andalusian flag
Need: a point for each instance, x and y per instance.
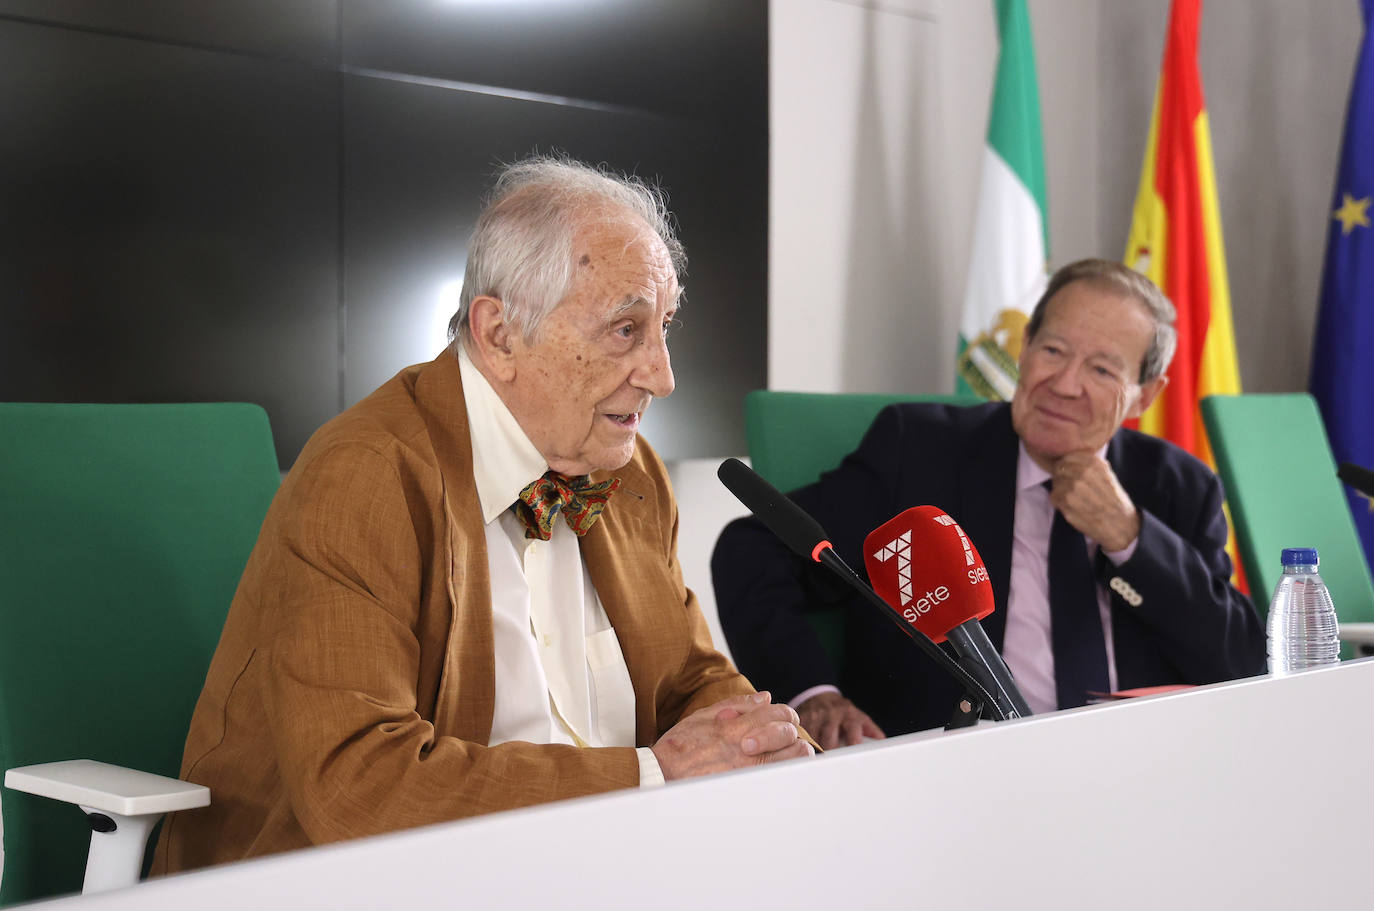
(1176, 241)
(1010, 233)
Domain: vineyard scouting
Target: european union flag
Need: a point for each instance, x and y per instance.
(1343, 353)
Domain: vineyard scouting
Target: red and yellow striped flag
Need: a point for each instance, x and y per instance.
(1176, 240)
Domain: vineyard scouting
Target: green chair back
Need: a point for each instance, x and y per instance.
(794, 437)
(123, 532)
(1274, 458)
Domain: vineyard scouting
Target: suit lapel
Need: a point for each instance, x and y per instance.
(987, 485)
(467, 687)
(636, 599)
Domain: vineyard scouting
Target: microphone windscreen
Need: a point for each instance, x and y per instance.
(928, 571)
(784, 518)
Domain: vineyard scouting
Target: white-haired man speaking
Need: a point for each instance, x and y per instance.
(466, 595)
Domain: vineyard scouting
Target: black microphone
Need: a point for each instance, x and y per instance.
(784, 518)
(805, 537)
(1362, 479)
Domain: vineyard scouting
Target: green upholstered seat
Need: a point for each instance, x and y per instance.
(1274, 459)
(123, 532)
(794, 437)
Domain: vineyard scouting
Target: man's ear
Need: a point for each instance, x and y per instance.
(492, 337)
(1148, 393)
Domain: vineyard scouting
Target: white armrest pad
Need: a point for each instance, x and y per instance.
(108, 788)
(1357, 633)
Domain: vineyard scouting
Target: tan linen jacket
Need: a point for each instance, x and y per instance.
(352, 689)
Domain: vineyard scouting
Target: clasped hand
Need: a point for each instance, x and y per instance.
(731, 734)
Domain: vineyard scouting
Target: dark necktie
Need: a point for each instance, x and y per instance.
(1080, 653)
(578, 500)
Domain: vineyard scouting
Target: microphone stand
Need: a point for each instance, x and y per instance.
(967, 711)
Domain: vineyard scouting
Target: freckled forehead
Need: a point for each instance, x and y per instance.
(617, 237)
(622, 250)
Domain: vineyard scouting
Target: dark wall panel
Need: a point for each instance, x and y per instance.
(304, 30)
(704, 59)
(168, 222)
(184, 185)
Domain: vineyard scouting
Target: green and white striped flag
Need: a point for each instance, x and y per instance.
(1006, 272)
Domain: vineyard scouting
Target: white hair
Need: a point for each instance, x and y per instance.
(521, 251)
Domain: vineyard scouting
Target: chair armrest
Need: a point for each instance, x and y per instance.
(1360, 636)
(108, 788)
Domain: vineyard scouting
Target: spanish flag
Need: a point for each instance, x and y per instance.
(1176, 240)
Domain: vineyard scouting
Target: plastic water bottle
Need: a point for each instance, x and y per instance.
(1303, 630)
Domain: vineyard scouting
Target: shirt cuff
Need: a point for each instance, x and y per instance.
(650, 775)
(1121, 556)
(806, 694)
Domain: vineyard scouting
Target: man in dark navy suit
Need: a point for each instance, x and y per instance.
(1106, 547)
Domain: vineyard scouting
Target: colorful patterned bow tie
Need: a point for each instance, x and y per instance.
(578, 499)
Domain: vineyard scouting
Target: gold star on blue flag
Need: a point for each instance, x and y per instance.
(1353, 212)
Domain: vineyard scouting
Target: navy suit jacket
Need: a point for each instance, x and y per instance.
(1189, 625)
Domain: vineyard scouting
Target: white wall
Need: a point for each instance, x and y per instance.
(878, 110)
(873, 141)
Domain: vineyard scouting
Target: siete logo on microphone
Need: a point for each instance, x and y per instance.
(899, 549)
(924, 566)
(925, 604)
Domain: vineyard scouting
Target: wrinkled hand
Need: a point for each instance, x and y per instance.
(834, 721)
(734, 733)
(1093, 501)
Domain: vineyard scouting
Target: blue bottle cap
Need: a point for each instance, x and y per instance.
(1299, 556)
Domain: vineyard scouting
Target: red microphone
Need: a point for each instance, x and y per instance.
(928, 571)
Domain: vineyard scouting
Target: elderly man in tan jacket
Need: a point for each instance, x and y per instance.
(466, 595)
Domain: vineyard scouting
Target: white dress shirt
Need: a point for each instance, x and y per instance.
(560, 673)
(1026, 645)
